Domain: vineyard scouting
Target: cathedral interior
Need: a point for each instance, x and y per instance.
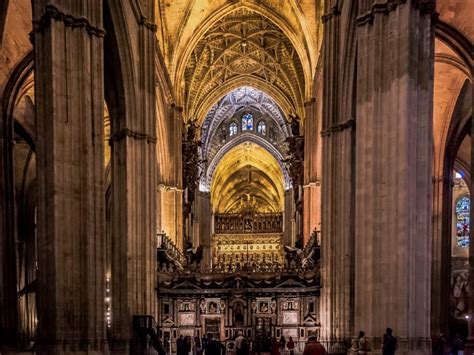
(173, 168)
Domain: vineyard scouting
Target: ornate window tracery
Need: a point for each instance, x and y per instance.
(262, 128)
(232, 129)
(247, 122)
(462, 211)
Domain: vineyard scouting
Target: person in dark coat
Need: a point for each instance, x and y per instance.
(181, 346)
(275, 346)
(389, 343)
(313, 346)
(291, 346)
(282, 344)
(213, 347)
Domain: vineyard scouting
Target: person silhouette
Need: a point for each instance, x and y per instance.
(389, 343)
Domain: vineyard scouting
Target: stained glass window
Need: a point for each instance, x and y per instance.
(247, 122)
(463, 208)
(262, 128)
(232, 129)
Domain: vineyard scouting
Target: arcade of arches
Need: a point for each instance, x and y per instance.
(173, 168)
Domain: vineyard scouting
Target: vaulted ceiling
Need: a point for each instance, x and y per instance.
(242, 98)
(243, 47)
(213, 47)
(247, 175)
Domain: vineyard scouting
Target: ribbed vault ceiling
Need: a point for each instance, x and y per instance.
(247, 176)
(242, 45)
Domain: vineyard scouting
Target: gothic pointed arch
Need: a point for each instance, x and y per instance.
(289, 29)
(242, 43)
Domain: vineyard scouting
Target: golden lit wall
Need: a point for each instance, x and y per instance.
(247, 176)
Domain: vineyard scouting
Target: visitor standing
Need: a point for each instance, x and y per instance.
(389, 342)
(275, 346)
(239, 341)
(364, 347)
(282, 344)
(291, 346)
(197, 346)
(181, 346)
(213, 347)
(313, 346)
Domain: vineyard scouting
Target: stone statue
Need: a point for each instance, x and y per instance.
(191, 131)
(294, 124)
(202, 306)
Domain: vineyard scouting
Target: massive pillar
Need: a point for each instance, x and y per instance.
(394, 142)
(203, 226)
(312, 163)
(68, 42)
(134, 173)
(337, 219)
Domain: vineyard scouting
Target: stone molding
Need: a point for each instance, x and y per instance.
(315, 183)
(331, 14)
(384, 8)
(310, 102)
(52, 12)
(148, 24)
(126, 132)
(425, 6)
(162, 187)
(338, 127)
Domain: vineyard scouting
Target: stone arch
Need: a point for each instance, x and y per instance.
(244, 137)
(456, 40)
(301, 48)
(233, 84)
(14, 91)
(3, 18)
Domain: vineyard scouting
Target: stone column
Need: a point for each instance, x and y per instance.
(289, 225)
(441, 248)
(170, 206)
(394, 143)
(134, 171)
(169, 158)
(69, 89)
(203, 213)
(469, 349)
(337, 219)
(312, 163)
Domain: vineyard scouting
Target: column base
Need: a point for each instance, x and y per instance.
(98, 347)
(405, 346)
(335, 346)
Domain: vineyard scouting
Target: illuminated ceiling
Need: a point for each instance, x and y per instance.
(243, 97)
(243, 48)
(248, 176)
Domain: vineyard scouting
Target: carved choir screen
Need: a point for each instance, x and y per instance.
(251, 252)
(237, 223)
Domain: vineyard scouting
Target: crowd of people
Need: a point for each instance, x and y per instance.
(244, 346)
